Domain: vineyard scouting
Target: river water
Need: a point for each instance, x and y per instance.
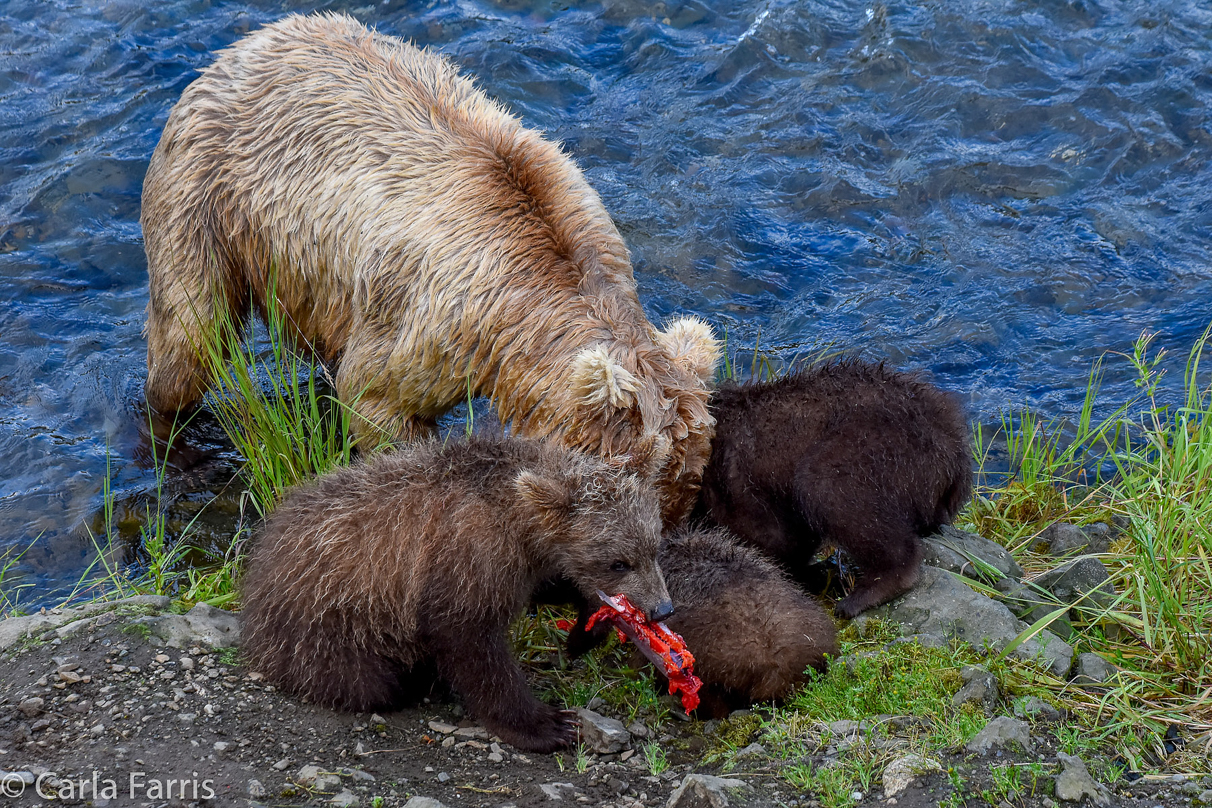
(996, 191)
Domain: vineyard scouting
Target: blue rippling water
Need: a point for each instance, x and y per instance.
(997, 191)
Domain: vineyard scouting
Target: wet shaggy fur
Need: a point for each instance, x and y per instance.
(849, 454)
(753, 632)
(419, 560)
(417, 237)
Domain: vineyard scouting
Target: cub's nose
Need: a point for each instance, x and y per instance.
(663, 611)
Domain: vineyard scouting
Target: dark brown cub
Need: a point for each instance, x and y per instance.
(847, 453)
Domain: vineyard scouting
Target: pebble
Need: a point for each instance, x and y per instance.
(444, 729)
(187, 664)
(31, 707)
(282, 764)
(222, 746)
(443, 777)
(256, 790)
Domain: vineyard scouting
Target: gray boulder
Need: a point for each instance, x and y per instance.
(15, 629)
(1001, 733)
(1074, 782)
(1064, 539)
(601, 734)
(1033, 707)
(958, 551)
(1030, 604)
(980, 687)
(1082, 582)
(1091, 669)
(201, 625)
(942, 604)
(705, 791)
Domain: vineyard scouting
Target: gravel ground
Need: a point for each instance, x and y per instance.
(152, 725)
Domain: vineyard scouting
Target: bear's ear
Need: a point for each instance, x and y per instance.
(690, 342)
(550, 499)
(646, 458)
(597, 379)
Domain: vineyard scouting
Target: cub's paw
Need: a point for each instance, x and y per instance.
(545, 730)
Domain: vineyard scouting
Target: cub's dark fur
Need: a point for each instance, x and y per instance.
(847, 453)
(752, 631)
(421, 558)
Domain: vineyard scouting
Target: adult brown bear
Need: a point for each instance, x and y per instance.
(420, 238)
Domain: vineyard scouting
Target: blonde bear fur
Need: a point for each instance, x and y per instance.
(417, 236)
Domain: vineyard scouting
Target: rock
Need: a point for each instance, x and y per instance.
(282, 764)
(203, 624)
(25, 778)
(440, 727)
(314, 777)
(15, 629)
(638, 730)
(1074, 782)
(558, 791)
(31, 707)
(1204, 797)
(1063, 539)
(999, 734)
(942, 604)
(902, 771)
(443, 777)
(980, 687)
(954, 550)
(1083, 579)
(423, 802)
(1031, 605)
(345, 798)
(705, 791)
(357, 775)
(752, 750)
(1091, 669)
(603, 735)
(256, 790)
(1033, 707)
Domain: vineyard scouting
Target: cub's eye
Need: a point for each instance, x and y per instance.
(620, 566)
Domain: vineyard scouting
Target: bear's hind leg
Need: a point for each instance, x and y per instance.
(479, 667)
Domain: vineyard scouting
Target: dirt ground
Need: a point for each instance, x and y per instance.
(105, 717)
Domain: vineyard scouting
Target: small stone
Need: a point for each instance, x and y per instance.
(752, 750)
(31, 707)
(705, 791)
(357, 775)
(69, 677)
(97, 729)
(448, 742)
(557, 791)
(1034, 707)
(1083, 582)
(496, 757)
(902, 771)
(473, 733)
(1091, 669)
(282, 764)
(221, 746)
(1204, 798)
(1074, 782)
(255, 789)
(637, 730)
(1000, 733)
(40, 724)
(187, 664)
(980, 688)
(345, 799)
(443, 777)
(423, 802)
(601, 734)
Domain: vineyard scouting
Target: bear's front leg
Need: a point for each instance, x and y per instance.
(477, 663)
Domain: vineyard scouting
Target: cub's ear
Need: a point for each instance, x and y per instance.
(551, 500)
(598, 379)
(690, 342)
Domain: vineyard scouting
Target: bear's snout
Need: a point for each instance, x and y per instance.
(662, 611)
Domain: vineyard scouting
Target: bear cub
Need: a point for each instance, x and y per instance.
(419, 560)
(753, 632)
(849, 454)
